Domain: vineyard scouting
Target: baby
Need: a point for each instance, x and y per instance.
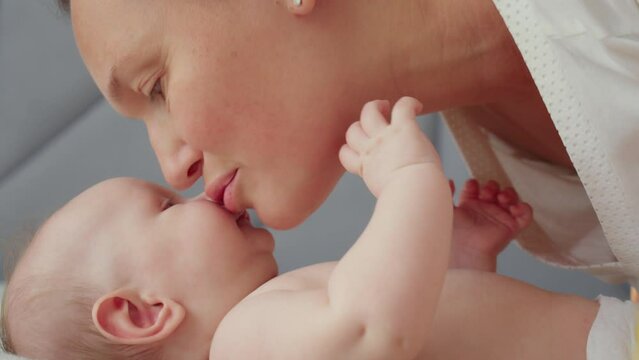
(129, 270)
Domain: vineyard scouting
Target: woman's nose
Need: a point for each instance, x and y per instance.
(182, 168)
(181, 164)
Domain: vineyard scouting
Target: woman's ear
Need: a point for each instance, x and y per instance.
(126, 317)
(301, 7)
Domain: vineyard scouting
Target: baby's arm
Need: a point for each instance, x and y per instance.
(389, 282)
(381, 297)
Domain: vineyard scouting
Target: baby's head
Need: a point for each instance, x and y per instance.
(130, 270)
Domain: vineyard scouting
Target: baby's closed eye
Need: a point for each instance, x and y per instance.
(167, 203)
(157, 90)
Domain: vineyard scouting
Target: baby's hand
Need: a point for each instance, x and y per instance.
(377, 150)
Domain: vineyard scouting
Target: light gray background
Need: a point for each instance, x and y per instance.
(58, 136)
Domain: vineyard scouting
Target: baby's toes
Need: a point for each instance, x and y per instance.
(522, 213)
(488, 192)
(507, 198)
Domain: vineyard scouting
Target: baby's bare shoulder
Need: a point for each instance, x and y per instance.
(288, 317)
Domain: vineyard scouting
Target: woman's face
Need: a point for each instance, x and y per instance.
(229, 85)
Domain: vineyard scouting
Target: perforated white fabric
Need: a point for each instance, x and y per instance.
(584, 58)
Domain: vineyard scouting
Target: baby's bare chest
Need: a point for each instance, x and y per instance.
(303, 280)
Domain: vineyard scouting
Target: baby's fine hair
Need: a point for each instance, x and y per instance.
(56, 310)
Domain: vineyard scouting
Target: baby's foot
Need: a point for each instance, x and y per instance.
(485, 221)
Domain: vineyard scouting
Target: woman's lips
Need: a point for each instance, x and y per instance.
(222, 191)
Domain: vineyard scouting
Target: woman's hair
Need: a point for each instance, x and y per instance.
(65, 5)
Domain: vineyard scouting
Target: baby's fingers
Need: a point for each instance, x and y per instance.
(356, 137)
(350, 160)
(406, 110)
(374, 116)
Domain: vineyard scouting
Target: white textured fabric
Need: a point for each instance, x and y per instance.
(612, 335)
(584, 58)
(565, 212)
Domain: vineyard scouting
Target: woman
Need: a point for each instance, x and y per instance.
(255, 96)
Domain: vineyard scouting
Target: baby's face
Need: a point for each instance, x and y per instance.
(129, 233)
(226, 85)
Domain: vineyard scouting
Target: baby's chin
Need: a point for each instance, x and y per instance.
(263, 238)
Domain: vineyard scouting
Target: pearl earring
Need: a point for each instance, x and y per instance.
(297, 3)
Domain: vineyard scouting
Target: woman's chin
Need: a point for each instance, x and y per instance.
(283, 218)
(284, 210)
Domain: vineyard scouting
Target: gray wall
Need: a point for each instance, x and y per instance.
(57, 137)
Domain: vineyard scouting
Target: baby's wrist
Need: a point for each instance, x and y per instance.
(423, 169)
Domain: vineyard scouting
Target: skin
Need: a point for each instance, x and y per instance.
(144, 247)
(269, 89)
(187, 275)
(369, 306)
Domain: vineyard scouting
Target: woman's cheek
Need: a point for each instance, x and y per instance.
(197, 121)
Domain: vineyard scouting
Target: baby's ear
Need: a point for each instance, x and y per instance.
(126, 317)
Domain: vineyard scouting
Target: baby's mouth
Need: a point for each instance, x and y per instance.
(243, 218)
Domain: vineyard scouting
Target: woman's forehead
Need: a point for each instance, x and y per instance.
(112, 32)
